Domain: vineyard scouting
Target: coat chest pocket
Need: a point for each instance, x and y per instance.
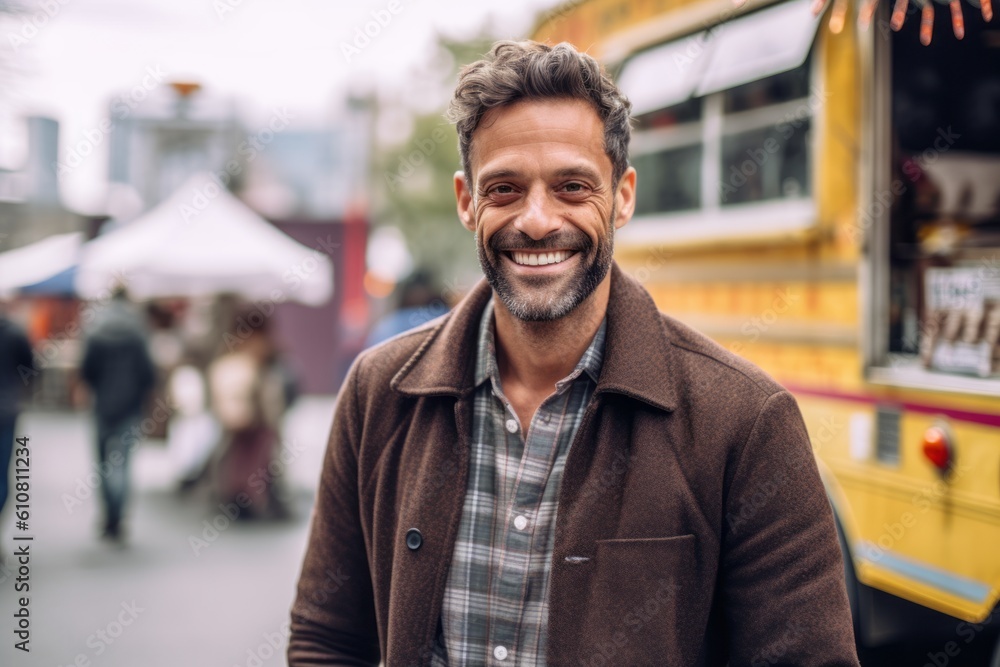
(636, 614)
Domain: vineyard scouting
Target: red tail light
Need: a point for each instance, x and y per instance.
(938, 448)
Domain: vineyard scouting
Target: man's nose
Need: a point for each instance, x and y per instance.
(540, 216)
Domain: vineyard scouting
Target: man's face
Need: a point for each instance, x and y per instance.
(542, 205)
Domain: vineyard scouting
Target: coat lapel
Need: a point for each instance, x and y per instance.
(637, 357)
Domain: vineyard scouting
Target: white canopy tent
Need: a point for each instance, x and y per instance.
(38, 261)
(202, 241)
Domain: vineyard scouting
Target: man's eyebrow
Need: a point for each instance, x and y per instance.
(582, 171)
(566, 172)
(498, 173)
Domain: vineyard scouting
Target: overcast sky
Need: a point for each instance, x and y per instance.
(299, 54)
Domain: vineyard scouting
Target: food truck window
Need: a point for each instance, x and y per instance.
(674, 176)
(751, 142)
(723, 126)
(943, 290)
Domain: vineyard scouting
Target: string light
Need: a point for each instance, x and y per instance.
(867, 9)
(898, 14)
(957, 20)
(927, 23)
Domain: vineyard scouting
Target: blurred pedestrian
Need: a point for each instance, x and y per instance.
(250, 389)
(194, 431)
(15, 372)
(419, 303)
(119, 370)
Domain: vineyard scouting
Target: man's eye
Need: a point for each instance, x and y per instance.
(502, 190)
(573, 187)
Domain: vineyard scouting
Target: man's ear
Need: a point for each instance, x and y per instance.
(626, 197)
(463, 201)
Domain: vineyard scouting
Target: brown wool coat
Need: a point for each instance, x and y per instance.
(693, 528)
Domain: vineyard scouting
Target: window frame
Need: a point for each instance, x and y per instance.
(712, 222)
(882, 367)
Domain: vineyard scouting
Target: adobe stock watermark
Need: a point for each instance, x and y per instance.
(912, 169)
(102, 638)
(48, 351)
(634, 620)
(32, 25)
(739, 175)
(929, 328)
(86, 485)
(712, 26)
(559, 12)
(121, 107)
(886, 28)
(775, 652)
(952, 649)
(363, 35)
(610, 477)
(223, 7)
(331, 585)
(230, 512)
(783, 300)
(409, 163)
(751, 503)
(274, 644)
(261, 309)
(203, 195)
(655, 258)
(928, 497)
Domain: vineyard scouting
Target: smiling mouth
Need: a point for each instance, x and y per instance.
(540, 258)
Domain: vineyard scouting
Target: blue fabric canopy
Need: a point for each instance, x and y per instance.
(61, 284)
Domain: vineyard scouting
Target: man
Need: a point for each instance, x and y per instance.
(119, 371)
(555, 472)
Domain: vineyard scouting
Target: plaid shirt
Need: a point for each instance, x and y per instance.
(496, 601)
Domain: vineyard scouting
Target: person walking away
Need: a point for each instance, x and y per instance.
(118, 369)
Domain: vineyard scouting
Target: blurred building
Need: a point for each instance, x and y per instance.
(308, 181)
(156, 144)
(30, 207)
(311, 184)
(31, 210)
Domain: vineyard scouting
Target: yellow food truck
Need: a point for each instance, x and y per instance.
(824, 199)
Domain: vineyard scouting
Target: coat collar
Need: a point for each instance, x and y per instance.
(637, 357)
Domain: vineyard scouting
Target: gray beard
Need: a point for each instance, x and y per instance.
(529, 304)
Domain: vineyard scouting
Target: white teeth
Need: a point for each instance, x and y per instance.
(540, 259)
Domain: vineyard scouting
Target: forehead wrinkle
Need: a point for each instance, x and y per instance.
(525, 129)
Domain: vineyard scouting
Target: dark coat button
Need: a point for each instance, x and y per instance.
(414, 539)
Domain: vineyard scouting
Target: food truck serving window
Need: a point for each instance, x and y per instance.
(724, 125)
(940, 285)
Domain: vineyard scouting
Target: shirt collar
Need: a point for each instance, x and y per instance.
(640, 360)
(486, 358)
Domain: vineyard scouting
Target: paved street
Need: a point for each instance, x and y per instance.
(157, 603)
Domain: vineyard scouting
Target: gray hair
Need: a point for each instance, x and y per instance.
(514, 71)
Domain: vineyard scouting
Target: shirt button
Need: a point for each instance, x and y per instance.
(511, 428)
(520, 522)
(500, 653)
